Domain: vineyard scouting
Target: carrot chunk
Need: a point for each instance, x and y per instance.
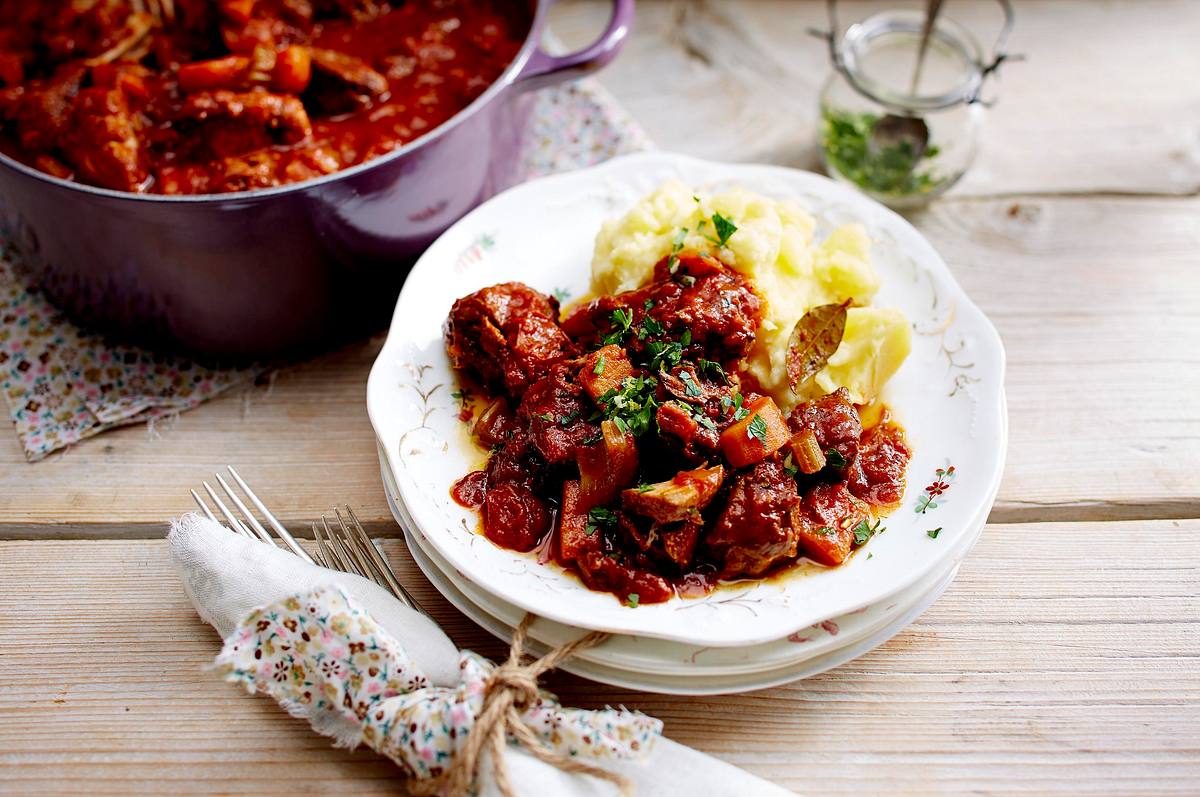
(756, 436)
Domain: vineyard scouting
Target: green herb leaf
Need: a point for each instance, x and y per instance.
(632, 600)
(648, 305)
(933, 533)
(825, 531)
(724, 228)
(545, 416)
(632, 407)
(712, 367)
(814, 339)
(852, 149)
(600, 518)
(677, 241)
(738, 411)
(621, 319)
(834, 460)
(599, 367)
(691, 387)
(757, 428)
(644, 488)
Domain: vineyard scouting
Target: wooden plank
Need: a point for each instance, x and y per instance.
(1098, 303)
(1106, 101)
(1063, 660)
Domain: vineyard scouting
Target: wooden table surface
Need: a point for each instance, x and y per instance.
(1064, 659)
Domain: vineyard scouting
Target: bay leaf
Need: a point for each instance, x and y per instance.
(814, 339)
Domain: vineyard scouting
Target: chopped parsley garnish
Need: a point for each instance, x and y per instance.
(757, 429)
(688, 280)
(565, 420)
(591, 439)
(644, 488)
(870, 555)
(865, 531)
(691, 387)
(676, 247)
(712, 367)
(825, 531)
(632, 600)
(663, 356)
(834, 460)
(648, 305)
(621, 320)
(789, 466)
(724, 228)
(632, 406)
(739, 412)
(704, 420)
(545, 416)
(650, 326)
(600, 518)
(933, 533)
(599, 367)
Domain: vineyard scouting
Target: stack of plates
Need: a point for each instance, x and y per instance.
(748, 635)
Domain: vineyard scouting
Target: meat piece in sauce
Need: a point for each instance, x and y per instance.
(632, 585)
(506, 335)
(276, 112)
(344, 83)
(877, 473)
(103, 142)
(42, 112)
(757, 530)
(555, 410)
(834, 420)
(680, 498)
(701, 301)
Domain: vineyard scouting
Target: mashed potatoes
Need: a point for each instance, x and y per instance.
(774, 248)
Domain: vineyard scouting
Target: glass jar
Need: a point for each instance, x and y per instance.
(900, 134)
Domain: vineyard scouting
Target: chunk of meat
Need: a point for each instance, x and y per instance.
(757, 529)
(826, 522)
(507, 335)
(103, 141)
(877, 473)
(682, 497)
(42, 111)
(277, 112)
(495, 423)
(834, 421)
(354, 72)
(249, 170)
(606, 467)
(756, 436)
(604, 370)
(514, 517)
(679, 540)
(631, 585)
(555, 412)
(712, 304)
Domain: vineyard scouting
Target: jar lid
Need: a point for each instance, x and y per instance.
(879, 57)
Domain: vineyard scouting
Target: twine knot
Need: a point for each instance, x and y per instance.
(511, 689)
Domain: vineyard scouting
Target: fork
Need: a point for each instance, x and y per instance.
(344, 547)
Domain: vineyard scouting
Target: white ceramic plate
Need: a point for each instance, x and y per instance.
(664, 657)
(948, 396)
(696, 684)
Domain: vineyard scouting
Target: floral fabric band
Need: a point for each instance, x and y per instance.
(324, 658)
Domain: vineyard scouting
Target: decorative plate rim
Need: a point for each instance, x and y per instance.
(781, 606)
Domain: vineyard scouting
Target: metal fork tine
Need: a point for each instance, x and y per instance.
(380, 563)
(348, 564)
(288, 539)
(234, 523)
(254, 525)
(204, 507)
(322, 552)
(360, 557)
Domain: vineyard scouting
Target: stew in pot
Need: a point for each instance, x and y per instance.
(209, 96)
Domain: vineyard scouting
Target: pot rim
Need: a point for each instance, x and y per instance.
(505, 81)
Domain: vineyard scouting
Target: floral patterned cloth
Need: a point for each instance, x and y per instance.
(323, 658)
(64, 384)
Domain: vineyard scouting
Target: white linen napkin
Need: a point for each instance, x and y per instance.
(227, 576)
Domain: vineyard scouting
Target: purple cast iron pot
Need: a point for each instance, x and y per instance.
(283, 269)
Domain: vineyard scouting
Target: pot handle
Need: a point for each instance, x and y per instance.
(543, 69)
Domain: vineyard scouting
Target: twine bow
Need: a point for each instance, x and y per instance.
(511, 689)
